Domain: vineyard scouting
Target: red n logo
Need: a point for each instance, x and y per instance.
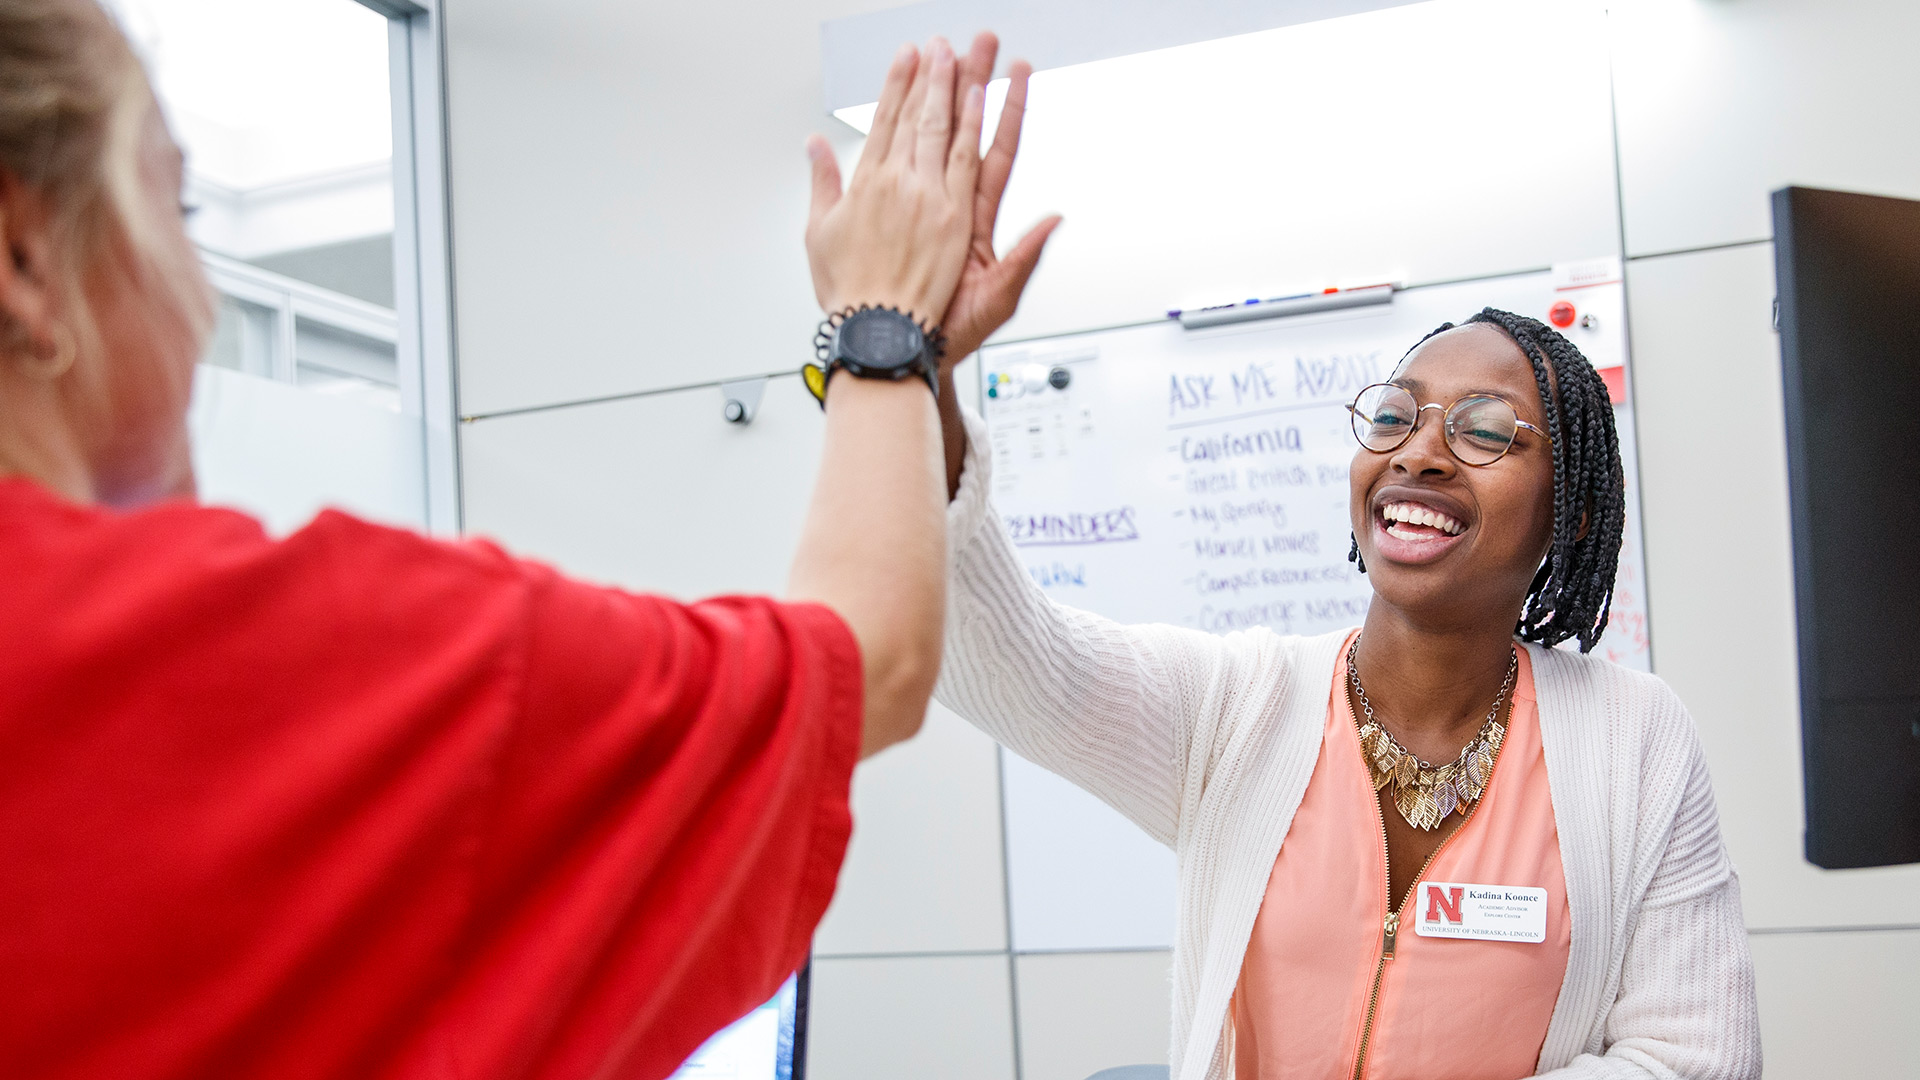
(1448, 903)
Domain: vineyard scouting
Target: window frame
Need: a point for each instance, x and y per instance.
(423, 252)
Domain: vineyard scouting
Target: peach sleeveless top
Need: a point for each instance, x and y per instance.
(1447, 1008)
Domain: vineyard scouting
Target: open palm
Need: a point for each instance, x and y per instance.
(990, 285)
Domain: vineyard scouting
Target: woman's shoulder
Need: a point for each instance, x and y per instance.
(336, 567)
(180, 542)
(1270, 650)
(1587, 669)
(1256, 675)
(1268, 672)
(1638, 705)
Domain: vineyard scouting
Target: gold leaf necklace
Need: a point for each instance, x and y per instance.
(1426, 794)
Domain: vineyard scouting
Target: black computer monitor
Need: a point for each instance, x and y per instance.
(769, 1043)
(1848, 271)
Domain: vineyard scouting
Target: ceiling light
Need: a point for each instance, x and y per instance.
(858, 117)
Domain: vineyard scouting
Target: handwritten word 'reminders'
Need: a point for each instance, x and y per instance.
(1104, 527)
(1236, 444)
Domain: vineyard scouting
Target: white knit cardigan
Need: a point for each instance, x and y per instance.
(1207, 743)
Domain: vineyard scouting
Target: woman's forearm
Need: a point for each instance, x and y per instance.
(953, 433)
(1109, 706)
(874, 544)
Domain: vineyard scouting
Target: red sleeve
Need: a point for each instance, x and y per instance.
(359, 803)
(665, 826)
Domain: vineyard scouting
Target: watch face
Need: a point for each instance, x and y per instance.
(880, 339)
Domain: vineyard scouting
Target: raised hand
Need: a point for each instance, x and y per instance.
(990, 286)
(898, 236)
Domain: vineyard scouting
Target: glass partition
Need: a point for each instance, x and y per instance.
(311, 147)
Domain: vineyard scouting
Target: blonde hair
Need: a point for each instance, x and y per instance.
(69, 91)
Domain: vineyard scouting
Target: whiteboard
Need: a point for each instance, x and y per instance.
(1199, 477)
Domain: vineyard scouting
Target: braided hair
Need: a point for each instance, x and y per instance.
(1571, 595)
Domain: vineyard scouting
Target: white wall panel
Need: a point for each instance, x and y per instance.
(283, 453)
(1083, 1012)
(656, 492)
(1081, 876)
(1720, 103)
(1838, 1004)
(1408, 144)
(924, 1017)
(924, 871)
(629, 191)
(1719, 573)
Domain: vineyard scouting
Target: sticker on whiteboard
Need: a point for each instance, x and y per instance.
(1481, 912)
(1586, 273)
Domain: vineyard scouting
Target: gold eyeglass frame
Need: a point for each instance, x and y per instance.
(1446, 417)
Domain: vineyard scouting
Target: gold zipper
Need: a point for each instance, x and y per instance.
(1390, 929)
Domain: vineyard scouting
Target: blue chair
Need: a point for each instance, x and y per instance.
(1134, 1072)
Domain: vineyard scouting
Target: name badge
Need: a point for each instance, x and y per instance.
(1480, 912)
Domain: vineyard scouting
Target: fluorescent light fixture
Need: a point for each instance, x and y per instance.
(858, 117)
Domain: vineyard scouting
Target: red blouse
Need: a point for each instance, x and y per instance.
(359, 803)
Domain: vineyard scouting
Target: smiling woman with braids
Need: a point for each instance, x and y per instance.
(1432, 846)
(1571, 592)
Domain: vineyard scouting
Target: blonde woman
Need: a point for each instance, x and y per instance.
(360, 803)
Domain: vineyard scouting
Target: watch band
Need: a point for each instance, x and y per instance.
(925, 364)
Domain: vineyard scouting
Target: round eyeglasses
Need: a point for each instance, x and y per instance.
(1480, 428)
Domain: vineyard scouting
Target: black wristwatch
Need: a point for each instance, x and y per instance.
(875, 343)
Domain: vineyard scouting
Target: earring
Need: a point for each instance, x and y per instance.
(1353, 553)
(53, 357)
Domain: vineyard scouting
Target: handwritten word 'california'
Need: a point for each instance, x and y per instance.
(1232, 444)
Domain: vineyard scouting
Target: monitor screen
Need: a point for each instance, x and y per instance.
(1848, 269)
(768, 1043)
